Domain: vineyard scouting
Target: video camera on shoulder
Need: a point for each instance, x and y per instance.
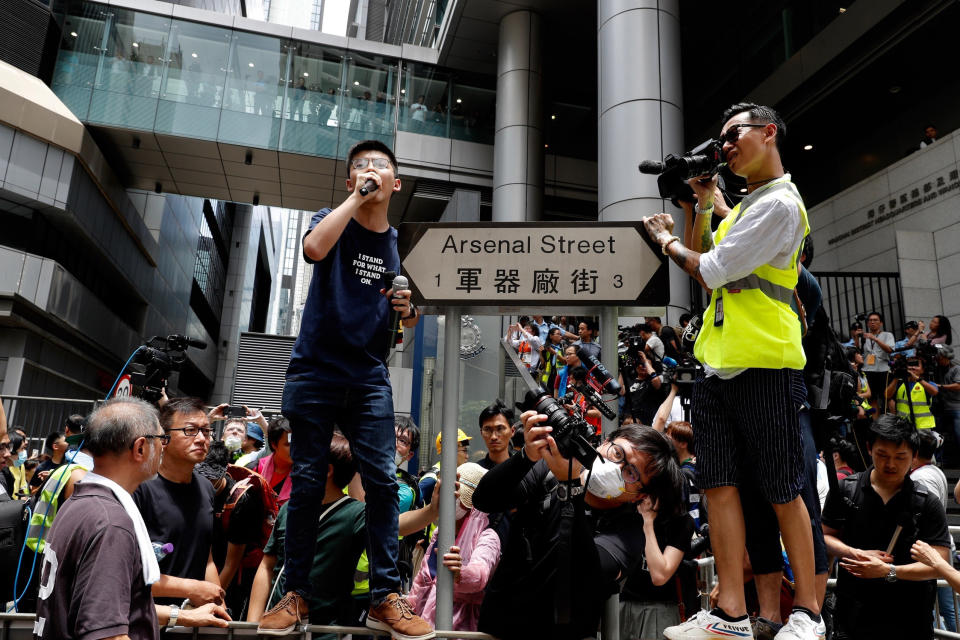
(154, 362)
(673, 173)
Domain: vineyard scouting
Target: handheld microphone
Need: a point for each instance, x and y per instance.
(599, 372)
(369, 187)
(651, 167)
(399, 282)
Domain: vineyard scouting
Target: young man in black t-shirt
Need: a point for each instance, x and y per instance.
(338, 376)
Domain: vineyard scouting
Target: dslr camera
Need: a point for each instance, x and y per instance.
(570, 431)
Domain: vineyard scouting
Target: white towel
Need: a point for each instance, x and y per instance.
(151, 570)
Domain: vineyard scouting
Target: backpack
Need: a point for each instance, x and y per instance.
(249, 481)
(14, 518)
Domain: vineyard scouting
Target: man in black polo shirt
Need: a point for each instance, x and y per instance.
(870, 522)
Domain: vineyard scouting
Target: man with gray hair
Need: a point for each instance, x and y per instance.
(98, 563)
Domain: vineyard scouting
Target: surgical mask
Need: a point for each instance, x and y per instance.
(233, 443)
(397, 458)
(462, 511)
(21, 458)
(606, 481)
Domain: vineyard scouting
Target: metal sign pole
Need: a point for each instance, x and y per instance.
(448, 462)
(609, 333)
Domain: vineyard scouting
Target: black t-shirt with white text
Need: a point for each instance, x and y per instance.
(91, 580)
(345, 331)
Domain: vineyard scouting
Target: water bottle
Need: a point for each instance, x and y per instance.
(162, 549)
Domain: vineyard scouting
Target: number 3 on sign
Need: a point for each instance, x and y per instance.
(438, 279)
(618, 281)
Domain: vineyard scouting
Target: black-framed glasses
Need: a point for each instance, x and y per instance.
(362, 163)
(732, 134)
(191, 432)
(163, 438)
(629, 472)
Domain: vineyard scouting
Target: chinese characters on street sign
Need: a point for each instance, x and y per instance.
(531, 263)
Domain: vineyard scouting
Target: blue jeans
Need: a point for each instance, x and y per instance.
(365, 416)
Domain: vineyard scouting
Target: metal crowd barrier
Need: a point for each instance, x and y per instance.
(19, 626)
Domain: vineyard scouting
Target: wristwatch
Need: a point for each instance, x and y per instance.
(567, 490)
(891, 575)
(174, 612)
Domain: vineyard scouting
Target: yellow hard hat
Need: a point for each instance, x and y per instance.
(461, 437)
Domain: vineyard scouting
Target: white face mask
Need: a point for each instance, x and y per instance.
(233, 443)
(606, 481)
(398, 459)
(462, 511)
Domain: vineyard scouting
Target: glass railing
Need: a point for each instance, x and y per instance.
(136, 70)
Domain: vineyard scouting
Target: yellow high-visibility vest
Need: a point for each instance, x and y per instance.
(758, 328)
(922, 416)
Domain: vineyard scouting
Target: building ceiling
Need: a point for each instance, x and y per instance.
(472, 43)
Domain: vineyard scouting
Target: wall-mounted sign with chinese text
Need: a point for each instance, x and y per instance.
(533, 264)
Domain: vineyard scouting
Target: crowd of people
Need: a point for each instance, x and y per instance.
(154, 516)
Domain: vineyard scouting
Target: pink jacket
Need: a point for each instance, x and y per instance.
(480, 551)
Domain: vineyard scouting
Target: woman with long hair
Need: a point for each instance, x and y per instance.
(940, 331)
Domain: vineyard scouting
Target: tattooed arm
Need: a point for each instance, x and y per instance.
(660, 230)
(688, 260)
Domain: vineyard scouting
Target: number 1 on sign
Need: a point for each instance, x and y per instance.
(438, 279)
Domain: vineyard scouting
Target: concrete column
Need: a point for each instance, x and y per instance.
(518, 142)
(640, 113)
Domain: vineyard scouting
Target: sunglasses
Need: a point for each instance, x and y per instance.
(732, 134)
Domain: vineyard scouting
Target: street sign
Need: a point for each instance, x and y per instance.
(546, 264)
(124, 388)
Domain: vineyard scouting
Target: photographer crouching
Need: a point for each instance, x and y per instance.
(569, 546)
(745, 403)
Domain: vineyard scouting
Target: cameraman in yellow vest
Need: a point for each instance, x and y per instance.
(913, 395)
(745, 405)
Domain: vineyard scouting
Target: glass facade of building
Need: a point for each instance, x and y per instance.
(135, 70)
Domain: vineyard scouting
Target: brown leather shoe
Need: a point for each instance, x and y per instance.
(290, 613)
(395, 616)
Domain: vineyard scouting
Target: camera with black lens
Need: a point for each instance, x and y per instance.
(153, 363)
(570, 431)
(924, 354)
(673, 173)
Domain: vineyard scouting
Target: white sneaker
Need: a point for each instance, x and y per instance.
(706, 626)
(799, 626)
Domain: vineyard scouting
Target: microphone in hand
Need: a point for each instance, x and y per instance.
(369, 187)
(399, 283)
